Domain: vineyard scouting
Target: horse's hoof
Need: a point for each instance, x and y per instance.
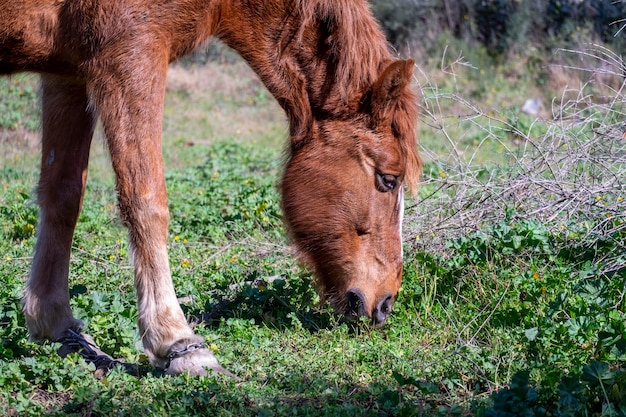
(196, 360)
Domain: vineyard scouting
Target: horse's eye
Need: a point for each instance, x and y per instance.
(386, 182)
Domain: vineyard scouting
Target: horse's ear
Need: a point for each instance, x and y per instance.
(389, 86)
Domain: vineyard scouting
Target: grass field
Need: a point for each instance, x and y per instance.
(513, 296)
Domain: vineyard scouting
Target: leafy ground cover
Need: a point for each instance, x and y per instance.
(513, 297)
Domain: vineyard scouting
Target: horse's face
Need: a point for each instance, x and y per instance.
(343, 203)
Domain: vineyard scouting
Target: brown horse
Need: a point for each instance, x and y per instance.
(352, 144)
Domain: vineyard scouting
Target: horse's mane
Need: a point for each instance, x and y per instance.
(360, 52)
(356, 43)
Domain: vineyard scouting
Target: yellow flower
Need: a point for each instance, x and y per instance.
(598, 198)
(185, 263)
(176, 238)
(213, 347)
(536, 275)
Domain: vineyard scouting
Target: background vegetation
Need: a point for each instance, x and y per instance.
(500, 25)
(513, 297)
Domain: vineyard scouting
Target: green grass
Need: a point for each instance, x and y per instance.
(504, 320)
(19, 105)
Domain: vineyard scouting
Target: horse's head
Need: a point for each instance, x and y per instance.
(343, 196)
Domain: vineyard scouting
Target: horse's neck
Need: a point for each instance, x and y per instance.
(289, 50)
(260, 32)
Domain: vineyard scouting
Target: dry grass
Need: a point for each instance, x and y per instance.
(571, 176)
(217, 101)
(203, 104)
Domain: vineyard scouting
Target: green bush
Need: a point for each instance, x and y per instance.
(416, 24)
(499, 25)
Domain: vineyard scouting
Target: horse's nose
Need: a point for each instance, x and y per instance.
(355, 303)
(382, 310)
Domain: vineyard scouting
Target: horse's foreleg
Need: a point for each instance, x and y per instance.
(131, 111)
(67, 125)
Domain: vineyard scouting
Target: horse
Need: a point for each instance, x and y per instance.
(351, 150)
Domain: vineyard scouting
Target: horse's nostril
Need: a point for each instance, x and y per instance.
(355, 303)
(382, 310)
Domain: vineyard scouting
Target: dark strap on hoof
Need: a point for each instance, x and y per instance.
(74, 341)
(177, 353)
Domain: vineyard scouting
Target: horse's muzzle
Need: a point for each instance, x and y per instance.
(356, 307)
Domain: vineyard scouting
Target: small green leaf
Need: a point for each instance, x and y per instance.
(597, 371)
(531, 334)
